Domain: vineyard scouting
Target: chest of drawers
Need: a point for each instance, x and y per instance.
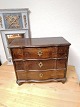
(40, 59)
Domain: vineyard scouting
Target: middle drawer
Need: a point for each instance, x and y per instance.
(40, 64)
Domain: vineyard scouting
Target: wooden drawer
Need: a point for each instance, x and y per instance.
(40, 64)
(40, 75)
(17, 53)
(44, 75)
(63, 49)
(39, 53)
(61, 63)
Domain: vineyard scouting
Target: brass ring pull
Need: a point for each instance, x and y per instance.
(41, 75)
(39, 52)
(40, 64)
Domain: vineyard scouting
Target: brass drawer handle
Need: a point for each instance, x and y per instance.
(41, 75)
(40, 64)
(39, 52)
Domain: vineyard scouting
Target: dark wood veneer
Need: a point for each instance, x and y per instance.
(40, 59)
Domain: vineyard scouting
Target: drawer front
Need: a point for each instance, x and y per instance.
(17, 53)
(59, 55)
(40, 64)
(19, 65)
(38, 53)
(63, 49)
(61, 63)
(44, 75)
(21, 75)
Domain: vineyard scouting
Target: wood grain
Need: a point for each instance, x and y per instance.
(50, 53)
(50, 94)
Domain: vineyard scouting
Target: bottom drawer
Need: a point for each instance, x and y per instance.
(44, 75)
(40, 75)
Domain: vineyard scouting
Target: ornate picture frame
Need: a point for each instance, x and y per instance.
(13, 21)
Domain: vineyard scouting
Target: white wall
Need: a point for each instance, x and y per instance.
(49, 18)
(2, 52)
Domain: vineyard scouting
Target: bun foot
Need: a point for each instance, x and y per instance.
(64, 80)
(19, 83)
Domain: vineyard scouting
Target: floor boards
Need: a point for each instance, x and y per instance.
(51, 94)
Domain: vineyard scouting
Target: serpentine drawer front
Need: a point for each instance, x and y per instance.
(40, 59)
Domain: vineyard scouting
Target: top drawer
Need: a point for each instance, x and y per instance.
(39, 52)
(33, 53)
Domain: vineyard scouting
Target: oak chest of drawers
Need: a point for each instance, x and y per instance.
(40, 59)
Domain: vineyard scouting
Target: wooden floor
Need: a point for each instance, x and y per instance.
(52, 94)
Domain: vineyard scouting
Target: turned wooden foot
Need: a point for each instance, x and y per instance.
(63, 82)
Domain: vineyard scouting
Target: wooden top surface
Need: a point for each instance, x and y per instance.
(39, 42)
